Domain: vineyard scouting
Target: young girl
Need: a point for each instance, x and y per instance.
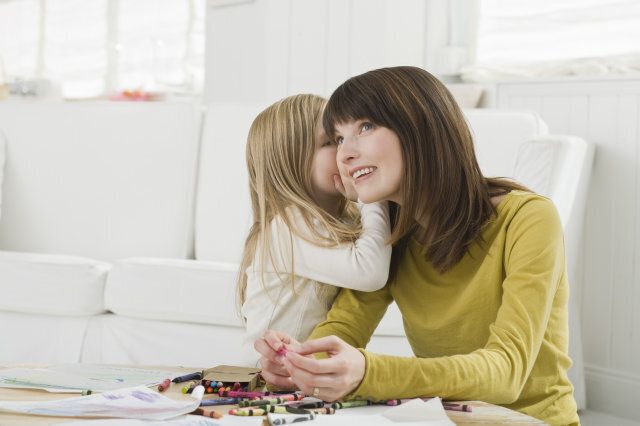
(478, 269)
(306, 238)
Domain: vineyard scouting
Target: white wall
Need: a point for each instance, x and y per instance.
(606, 112)
(264, 50)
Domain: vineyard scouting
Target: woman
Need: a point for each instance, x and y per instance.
(478, 265)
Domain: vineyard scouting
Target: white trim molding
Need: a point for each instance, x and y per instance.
(613, 391)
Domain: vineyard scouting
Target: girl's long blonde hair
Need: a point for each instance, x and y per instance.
(280, 150)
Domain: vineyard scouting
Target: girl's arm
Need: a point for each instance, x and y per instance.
(535, 267)
(363, 265)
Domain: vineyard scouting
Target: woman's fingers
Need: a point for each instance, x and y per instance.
(274, 367)
(327, 344)
(314, 366)
(333, 377)
(280, 381)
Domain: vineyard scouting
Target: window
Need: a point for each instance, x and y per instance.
(602, 33)
(92, 48)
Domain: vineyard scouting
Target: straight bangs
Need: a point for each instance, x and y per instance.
(350, 102)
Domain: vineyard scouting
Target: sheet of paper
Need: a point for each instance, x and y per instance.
(180, 421)
(138, 402)
(188, 420)
(76, 377)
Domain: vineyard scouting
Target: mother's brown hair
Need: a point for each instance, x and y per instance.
(446, 201)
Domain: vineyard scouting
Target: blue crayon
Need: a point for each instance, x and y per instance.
(218, 401)
(192, 376)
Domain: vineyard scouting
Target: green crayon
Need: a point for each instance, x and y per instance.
(257, 402)
(351, 404)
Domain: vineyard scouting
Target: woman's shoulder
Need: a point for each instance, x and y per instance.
(523, 209)
(525, 203)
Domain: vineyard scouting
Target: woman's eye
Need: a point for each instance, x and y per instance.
(366, 126)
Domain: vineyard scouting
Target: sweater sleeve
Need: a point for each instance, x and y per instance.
(354, 316)
(362, 265)
(534, 265)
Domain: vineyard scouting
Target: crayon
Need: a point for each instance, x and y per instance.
(247, 412)
(164, 385)
(186, 377)
(86, 392)
(291, 419)
(207, 413)
(288, 396)
(218, 401)
(271, 401)
(323, 410)
(242, 394)
(457, 407)
(351, 404)
(451, 406)
(188, 388)
(311, 404)
(278, 409)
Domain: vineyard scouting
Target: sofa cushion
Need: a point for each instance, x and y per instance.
(497, 137)
(116, 339)
(173, 290)
(51, 284)
(97, 179)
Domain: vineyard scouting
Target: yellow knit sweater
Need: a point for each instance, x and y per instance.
(492, 328)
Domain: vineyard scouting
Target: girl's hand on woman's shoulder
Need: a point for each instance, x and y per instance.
(272, 348)
(331, 378)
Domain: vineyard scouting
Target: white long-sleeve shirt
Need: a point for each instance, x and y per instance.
(318, 273)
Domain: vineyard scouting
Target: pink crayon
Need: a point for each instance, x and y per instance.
(164, 385)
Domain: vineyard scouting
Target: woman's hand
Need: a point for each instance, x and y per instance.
(331, 378)
(344, 184)
(272, 348)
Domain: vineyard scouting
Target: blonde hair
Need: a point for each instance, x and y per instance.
(280, 150)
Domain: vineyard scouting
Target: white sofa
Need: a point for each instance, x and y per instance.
(122, 224)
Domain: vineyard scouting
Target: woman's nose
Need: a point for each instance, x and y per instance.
(348, 151)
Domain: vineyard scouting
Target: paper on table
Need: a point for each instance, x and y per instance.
(75, 377)
(415, 412)
(187, 420)
(138, 402)
(180, 421)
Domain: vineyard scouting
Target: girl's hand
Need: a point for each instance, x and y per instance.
(345, 186)
(329, 379)
(272, 347)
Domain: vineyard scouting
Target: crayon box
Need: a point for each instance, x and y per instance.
(229, 374)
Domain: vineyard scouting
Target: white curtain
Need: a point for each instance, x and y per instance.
(91, 48)
(534, 38)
